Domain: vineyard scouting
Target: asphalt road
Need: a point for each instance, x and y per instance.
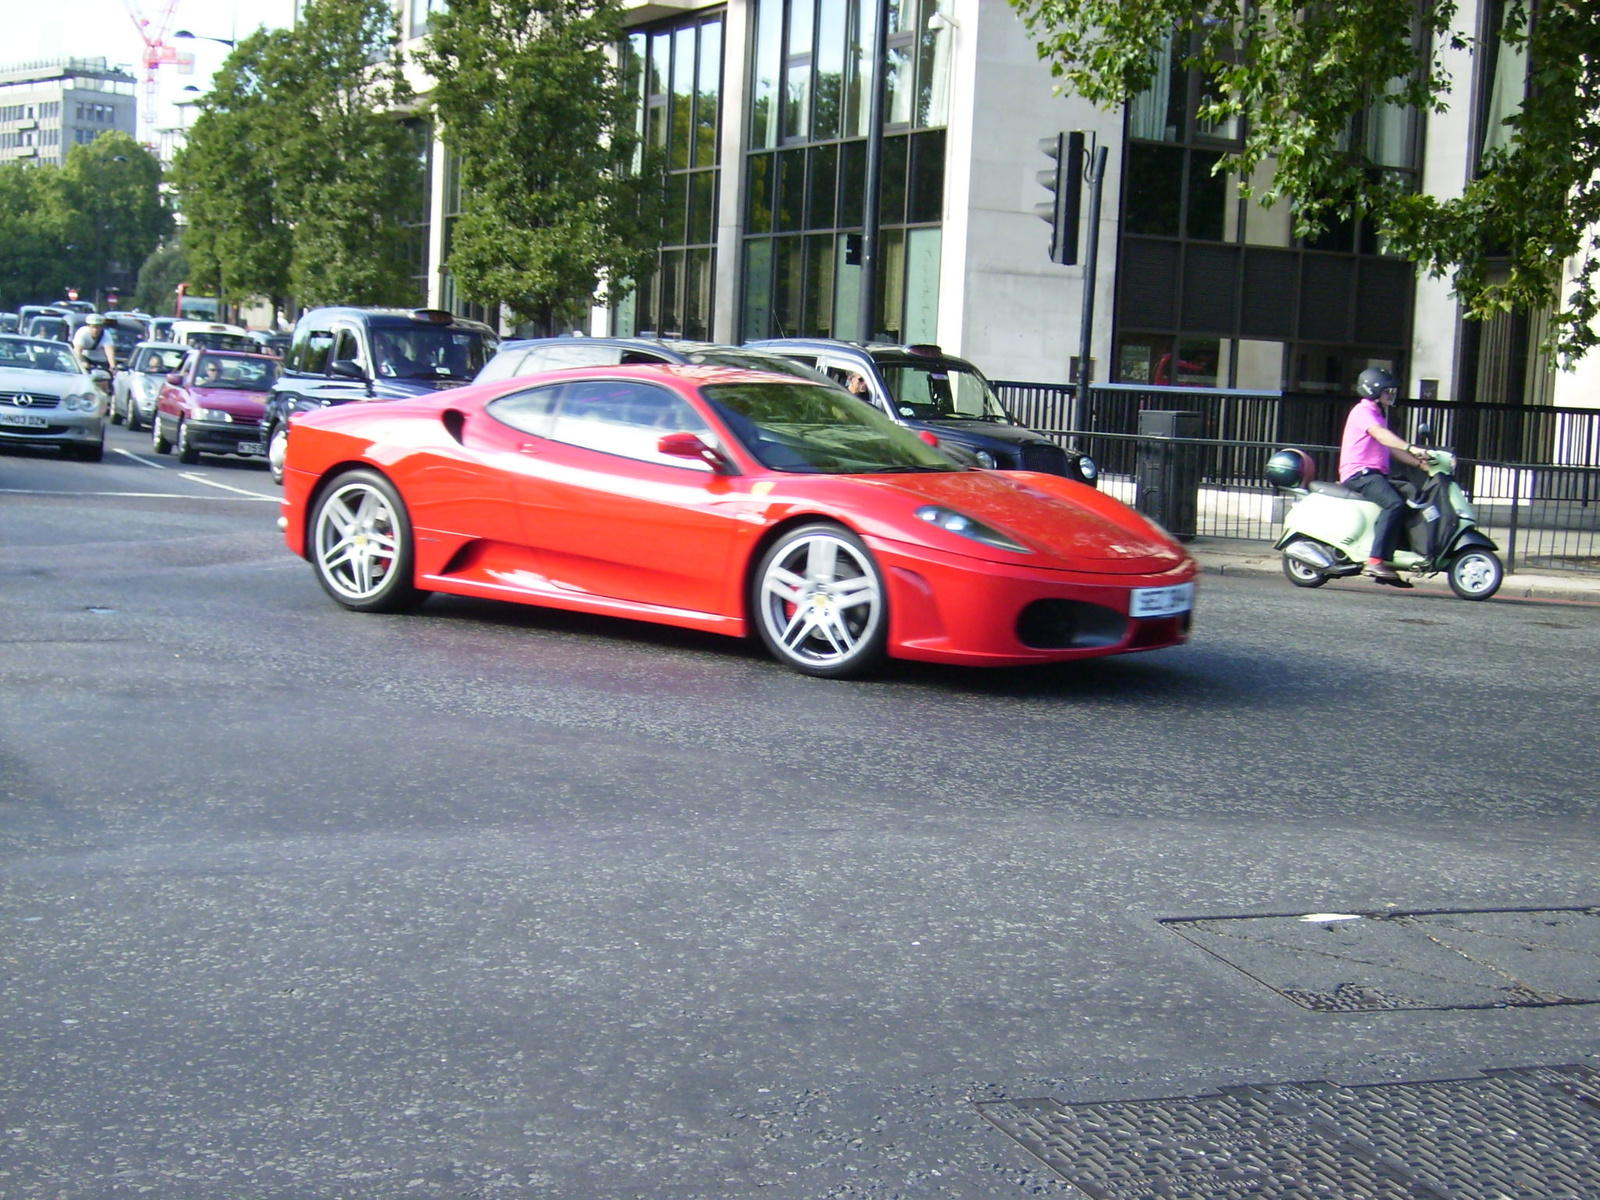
(491, 901)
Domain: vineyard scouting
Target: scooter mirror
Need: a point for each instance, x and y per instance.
(1424, 434)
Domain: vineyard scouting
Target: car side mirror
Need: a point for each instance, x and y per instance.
(347, 368)
(175, 378)
(689, 445)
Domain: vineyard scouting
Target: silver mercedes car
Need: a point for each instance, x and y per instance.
(48, 399)
(138, 384)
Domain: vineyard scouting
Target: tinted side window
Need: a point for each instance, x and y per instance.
(577, 354)
(505, 365)
(346, 347)
(529, 411)
(626, 418)
(311, 355)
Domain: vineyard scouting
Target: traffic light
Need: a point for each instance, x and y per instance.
(1064, 180)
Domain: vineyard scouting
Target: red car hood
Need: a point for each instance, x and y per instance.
(1068, 526)
(231, 400)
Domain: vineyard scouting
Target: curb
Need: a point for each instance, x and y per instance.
(1516, 586)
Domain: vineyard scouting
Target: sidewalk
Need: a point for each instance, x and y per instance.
(1231, 556)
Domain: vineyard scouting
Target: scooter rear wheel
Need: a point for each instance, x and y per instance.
(1302, 574)
(1476, 574)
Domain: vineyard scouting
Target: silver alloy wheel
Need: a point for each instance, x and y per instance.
(820, 601)
(356, 541)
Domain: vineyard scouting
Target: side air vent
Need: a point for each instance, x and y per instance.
(454, 422)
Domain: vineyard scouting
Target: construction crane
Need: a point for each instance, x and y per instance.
(156, 53)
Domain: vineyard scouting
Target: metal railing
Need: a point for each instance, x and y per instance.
(1543, 517)
(1507, 433)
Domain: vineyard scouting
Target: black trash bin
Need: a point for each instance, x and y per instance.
(1167, 472)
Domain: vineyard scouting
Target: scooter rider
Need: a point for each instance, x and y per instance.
(1364, 465)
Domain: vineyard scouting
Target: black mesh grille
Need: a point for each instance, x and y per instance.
(1069, 625)
(1051, 460)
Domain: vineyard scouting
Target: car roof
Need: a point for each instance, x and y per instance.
(392, 317)
(876, 351)
(163, 346)
(245, 354)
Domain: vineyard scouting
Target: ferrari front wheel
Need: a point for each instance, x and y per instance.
(361, 544)
(819, 602)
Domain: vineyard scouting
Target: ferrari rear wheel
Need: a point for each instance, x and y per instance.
(820, 604)
(361, 544)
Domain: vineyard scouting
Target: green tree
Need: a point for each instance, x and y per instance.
(238, 240)
(1299, 75)
(35, 264)
(116, 212)
(532, 102)
(300, 174)
(159, 277)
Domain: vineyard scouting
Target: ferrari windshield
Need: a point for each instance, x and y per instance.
(429, 352)
(26, 354)
(940, 389)
(810, 429)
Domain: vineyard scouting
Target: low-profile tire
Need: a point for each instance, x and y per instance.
(277, 451)
(116, 415)
(134, 424)
(360, 544)
(819, 602)
(1302, 574)
(93, 452)
(187, 454)
(158, 441)
(1476, 573)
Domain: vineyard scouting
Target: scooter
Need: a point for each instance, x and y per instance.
(1327, 532)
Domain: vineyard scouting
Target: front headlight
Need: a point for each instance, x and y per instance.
(213, 414)
(86, 402)
(303, 405)
(1089, 469)
(985, 459)
(951, 521)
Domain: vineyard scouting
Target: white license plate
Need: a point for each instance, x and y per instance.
(251, 448)
(1162, 601)
(25, 420)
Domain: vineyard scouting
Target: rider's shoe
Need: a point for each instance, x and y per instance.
(1382, 572)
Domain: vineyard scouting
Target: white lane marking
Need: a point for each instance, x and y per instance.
(132, 495)
(141, 459)
(192, 477)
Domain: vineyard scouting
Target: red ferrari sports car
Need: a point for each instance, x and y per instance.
(724, 500)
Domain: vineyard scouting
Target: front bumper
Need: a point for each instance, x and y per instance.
(59, 427)
(216, 437)
(951, 609)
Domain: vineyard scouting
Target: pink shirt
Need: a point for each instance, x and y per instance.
(1359, 450)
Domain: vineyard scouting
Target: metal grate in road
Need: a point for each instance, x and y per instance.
(1351, 962)
(1525, 1133)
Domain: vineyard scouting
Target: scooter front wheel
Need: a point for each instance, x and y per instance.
(1302, 574)
(1476, 574)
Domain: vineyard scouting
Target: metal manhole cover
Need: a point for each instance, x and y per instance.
(1526, 1133)
(1373, 962)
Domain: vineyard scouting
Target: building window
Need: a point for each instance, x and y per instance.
(676, 75)
(1214, 291)
(805, 170)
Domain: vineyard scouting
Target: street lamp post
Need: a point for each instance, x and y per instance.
(200, 37)
(873, 183)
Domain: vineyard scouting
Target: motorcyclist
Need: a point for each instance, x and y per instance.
(92, 345)
(1364, 457)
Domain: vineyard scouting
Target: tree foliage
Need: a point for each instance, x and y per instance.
(1298, 75)
(531, 101)
(299, 177)
(87, 224)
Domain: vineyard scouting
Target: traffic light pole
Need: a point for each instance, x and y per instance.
(1091, 258)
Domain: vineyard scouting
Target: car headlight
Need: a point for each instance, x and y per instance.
(952, 521)
(213, 414)
(304, 405)
(83, 402)
(1088, 468)
(985, 459)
